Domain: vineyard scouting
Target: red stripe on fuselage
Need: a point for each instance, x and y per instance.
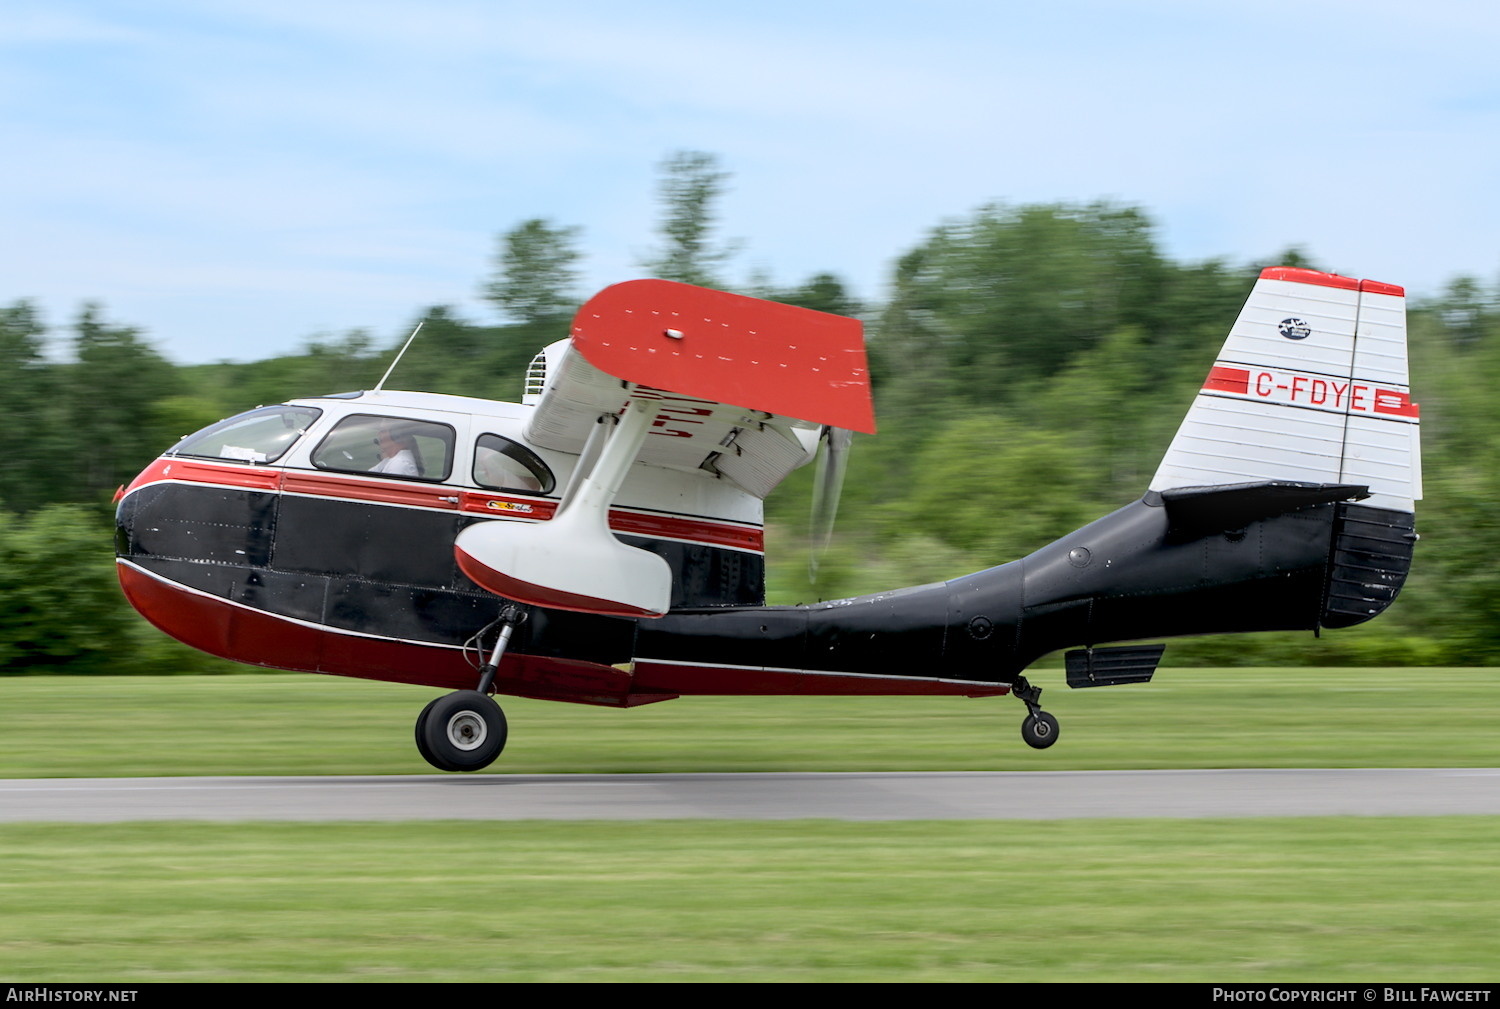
(357, 489)
(507, 505)
(708, 532)
(190, 471)
(716, 534)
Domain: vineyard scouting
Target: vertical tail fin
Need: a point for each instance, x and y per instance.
(1311, 386)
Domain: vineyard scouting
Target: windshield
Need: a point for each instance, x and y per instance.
(262, 435)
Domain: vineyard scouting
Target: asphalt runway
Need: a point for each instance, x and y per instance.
(1015, 795)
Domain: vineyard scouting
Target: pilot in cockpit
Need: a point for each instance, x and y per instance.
(399, 455)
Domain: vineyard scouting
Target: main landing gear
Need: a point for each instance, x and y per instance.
(461, 731)
(466, 730)
(1040, 728)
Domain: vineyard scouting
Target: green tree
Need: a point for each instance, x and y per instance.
(184, 414)
(454, 356)
(995, 489)
(822, 292)
(27, 409)
(1013, 294)
(21, 334)
(1467, 311)
(59, 599)
(111, 390)
(689, 189)
(326, 364)
(535, 271)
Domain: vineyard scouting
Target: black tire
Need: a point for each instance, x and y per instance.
(421, 741)
(461, 731)
(1039, 730)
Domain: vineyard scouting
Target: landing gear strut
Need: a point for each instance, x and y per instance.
(1040, 728)
(466, 730)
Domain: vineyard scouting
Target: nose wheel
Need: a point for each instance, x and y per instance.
(1039, 729)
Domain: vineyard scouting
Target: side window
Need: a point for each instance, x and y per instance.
(388, 446)
(501, 464)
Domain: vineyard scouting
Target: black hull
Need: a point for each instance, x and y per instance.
(1139, 573)
(1125, 577)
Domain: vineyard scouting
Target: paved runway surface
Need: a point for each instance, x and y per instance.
(1035, 795)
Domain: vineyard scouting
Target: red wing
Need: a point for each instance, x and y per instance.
(727, 348)
(743, 385)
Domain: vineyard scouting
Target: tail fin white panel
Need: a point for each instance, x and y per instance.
(1311, 386)
(1382, 446)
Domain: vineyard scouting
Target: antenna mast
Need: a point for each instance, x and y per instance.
(392, 368)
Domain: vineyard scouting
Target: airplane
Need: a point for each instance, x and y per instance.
(601, 542)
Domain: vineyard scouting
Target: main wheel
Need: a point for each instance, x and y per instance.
(1039, 730)
(461, 731)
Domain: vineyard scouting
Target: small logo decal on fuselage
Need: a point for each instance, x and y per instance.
(1294, 329)
(507, 506)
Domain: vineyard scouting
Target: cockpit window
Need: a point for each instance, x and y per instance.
(388, 446)
(501, 464)
(262, 435)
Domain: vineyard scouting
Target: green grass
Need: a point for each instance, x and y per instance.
(1356, 899)
(1352, 899)
(285, 724)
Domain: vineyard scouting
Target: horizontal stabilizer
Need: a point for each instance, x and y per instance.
(1106, 667)
(1201, 510)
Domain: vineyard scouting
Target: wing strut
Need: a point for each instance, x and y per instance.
(574, 562)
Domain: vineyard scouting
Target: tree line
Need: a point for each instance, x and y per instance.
(1030, 363)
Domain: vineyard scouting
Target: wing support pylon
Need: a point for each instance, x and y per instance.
(732, 387)
(574, 562)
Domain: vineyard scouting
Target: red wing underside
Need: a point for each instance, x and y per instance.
(727, 348)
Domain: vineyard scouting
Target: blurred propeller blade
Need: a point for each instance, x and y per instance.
(833, 460)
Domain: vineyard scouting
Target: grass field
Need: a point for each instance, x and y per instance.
(1349, 899)
(285, 724)
(1356, 899)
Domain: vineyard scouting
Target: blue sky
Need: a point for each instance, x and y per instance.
(238, 177)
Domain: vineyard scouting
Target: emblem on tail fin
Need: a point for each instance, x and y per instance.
(1294, 329)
